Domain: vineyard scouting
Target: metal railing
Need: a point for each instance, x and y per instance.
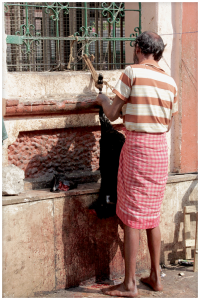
(54, 35)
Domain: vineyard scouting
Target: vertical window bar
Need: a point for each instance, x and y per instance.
(31, 19)
(86, 50)
(61, 29)
(114, 45)
(66, 43)
(140, 15)
(78, 23)
(97, 31)
(121, 43)
(108, 49)
(46, 43)
(101, 42)
(18, 50)
(13, 29)
(58, 60)
(72, 29)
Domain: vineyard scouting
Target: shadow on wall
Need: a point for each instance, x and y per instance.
(70, 150)
(176, 249)
(90, 244)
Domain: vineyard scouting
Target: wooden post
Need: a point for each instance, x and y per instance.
(188, 242)
(195, 268)
(3, 107)
(187, 233)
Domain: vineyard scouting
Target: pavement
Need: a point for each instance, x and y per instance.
(175, 286)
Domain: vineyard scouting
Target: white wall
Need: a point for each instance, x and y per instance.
(4, 67)
(164, 18)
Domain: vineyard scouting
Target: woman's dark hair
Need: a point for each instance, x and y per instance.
(150, 43)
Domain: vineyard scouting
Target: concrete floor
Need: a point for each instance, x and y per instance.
(175, 286)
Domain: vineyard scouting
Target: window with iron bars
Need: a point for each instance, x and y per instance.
(46, 36)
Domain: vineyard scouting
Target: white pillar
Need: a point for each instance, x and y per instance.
(4, 66)
(164, 18)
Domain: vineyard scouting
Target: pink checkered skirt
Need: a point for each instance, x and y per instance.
(142, 177)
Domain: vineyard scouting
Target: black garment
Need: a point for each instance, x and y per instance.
(111, 143)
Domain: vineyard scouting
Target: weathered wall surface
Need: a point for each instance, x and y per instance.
(60, 245)
(180, 60)
(131, 21)
(53, 242)
(67, 119)
(164, 18)
(177, 195)
(55, 85)
(4, 65)
(189, 70)
(39, 102)
(28, 251)
(40, 153)
(169, 24)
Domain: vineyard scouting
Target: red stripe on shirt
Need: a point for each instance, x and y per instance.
(146, 119)
(125, 79)
(150, 101)
(155, 83)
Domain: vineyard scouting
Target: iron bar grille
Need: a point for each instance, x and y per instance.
(44, 36)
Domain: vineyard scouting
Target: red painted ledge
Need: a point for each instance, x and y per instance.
(47, 107)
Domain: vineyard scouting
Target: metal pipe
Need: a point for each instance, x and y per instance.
(140, 14)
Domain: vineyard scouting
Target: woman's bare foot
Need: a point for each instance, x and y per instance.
(120, 290)
(155, 284)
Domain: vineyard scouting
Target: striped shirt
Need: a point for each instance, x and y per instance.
(150, 97)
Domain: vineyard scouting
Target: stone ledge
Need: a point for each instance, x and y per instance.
(65, 106)
(35, 86)
(44, 194)
(82, 189)
(182, 177)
